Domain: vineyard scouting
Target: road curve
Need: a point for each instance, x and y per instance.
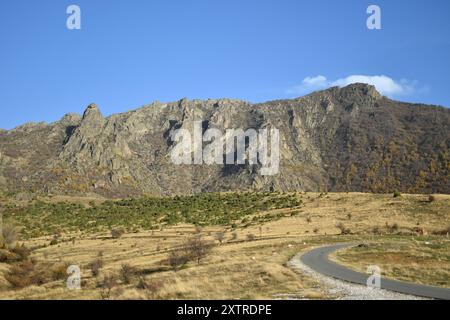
(317, 259)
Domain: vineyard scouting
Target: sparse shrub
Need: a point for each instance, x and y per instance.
(108, 283)
(142, 284)
(376, 230)
(4, 255)
(28, 273)
(431, 198)
(308, 219)
(443, 232)
(220, 236)
(21, 275)
(59, 271)
(116, 233)
(21, 251)
(96, 266)
(152, 286)
(17, 254)
(393, 228)
(349, 216)
(9, 235)
(177, 258)
(316, 230)
(397, 194)
(343, 229)
(197, 248)
(54, 241)
(250, 237)
(126, 273)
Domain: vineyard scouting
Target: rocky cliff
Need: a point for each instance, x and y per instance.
(339, 139)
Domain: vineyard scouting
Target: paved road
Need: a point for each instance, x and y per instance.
(317, 260)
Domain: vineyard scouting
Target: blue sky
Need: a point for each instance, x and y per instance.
(130, 53)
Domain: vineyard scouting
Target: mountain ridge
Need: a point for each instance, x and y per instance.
(338, 139)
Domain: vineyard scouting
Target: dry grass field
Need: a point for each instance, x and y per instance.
(418, 260)
(245, 258)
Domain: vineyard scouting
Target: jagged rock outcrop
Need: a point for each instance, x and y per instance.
(340, 139)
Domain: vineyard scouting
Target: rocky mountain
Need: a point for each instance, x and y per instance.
(339, 139)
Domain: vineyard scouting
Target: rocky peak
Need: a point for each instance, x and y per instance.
(92, 111)
(70, 119)
(360, 90)
(183, 103)
(92, 121)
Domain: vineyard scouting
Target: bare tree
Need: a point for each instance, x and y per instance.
(197, 248)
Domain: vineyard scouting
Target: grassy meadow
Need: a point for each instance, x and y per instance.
(215, 246)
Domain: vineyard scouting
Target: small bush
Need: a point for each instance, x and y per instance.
(393, 228)
(108, 283)
(250, 237)
(21, 251)
(9, 235)
(59, 272)
(142, 284)
(220, 236)
(343, 229)
(431, 198)
(376, 230)
(197, 248)
(28, 273)
(21, 275)
(153, 286)
(442, 232)
(126, 273)
(95, 266)
(177, 259)
(397, 194)
(116, 233)
(54, 241)
(198, 229)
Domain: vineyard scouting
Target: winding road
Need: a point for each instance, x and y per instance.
(318, 260)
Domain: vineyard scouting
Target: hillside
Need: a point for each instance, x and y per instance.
(339, 139)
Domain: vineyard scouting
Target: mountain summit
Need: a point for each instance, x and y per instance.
(339, 139)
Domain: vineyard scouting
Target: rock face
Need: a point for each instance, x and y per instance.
(340, 139)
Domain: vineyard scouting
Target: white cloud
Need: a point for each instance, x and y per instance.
(384, 84)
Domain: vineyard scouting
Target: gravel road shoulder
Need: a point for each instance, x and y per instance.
(345, 290)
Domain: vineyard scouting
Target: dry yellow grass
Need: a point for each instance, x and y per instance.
(425, 261)
(237, 268)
